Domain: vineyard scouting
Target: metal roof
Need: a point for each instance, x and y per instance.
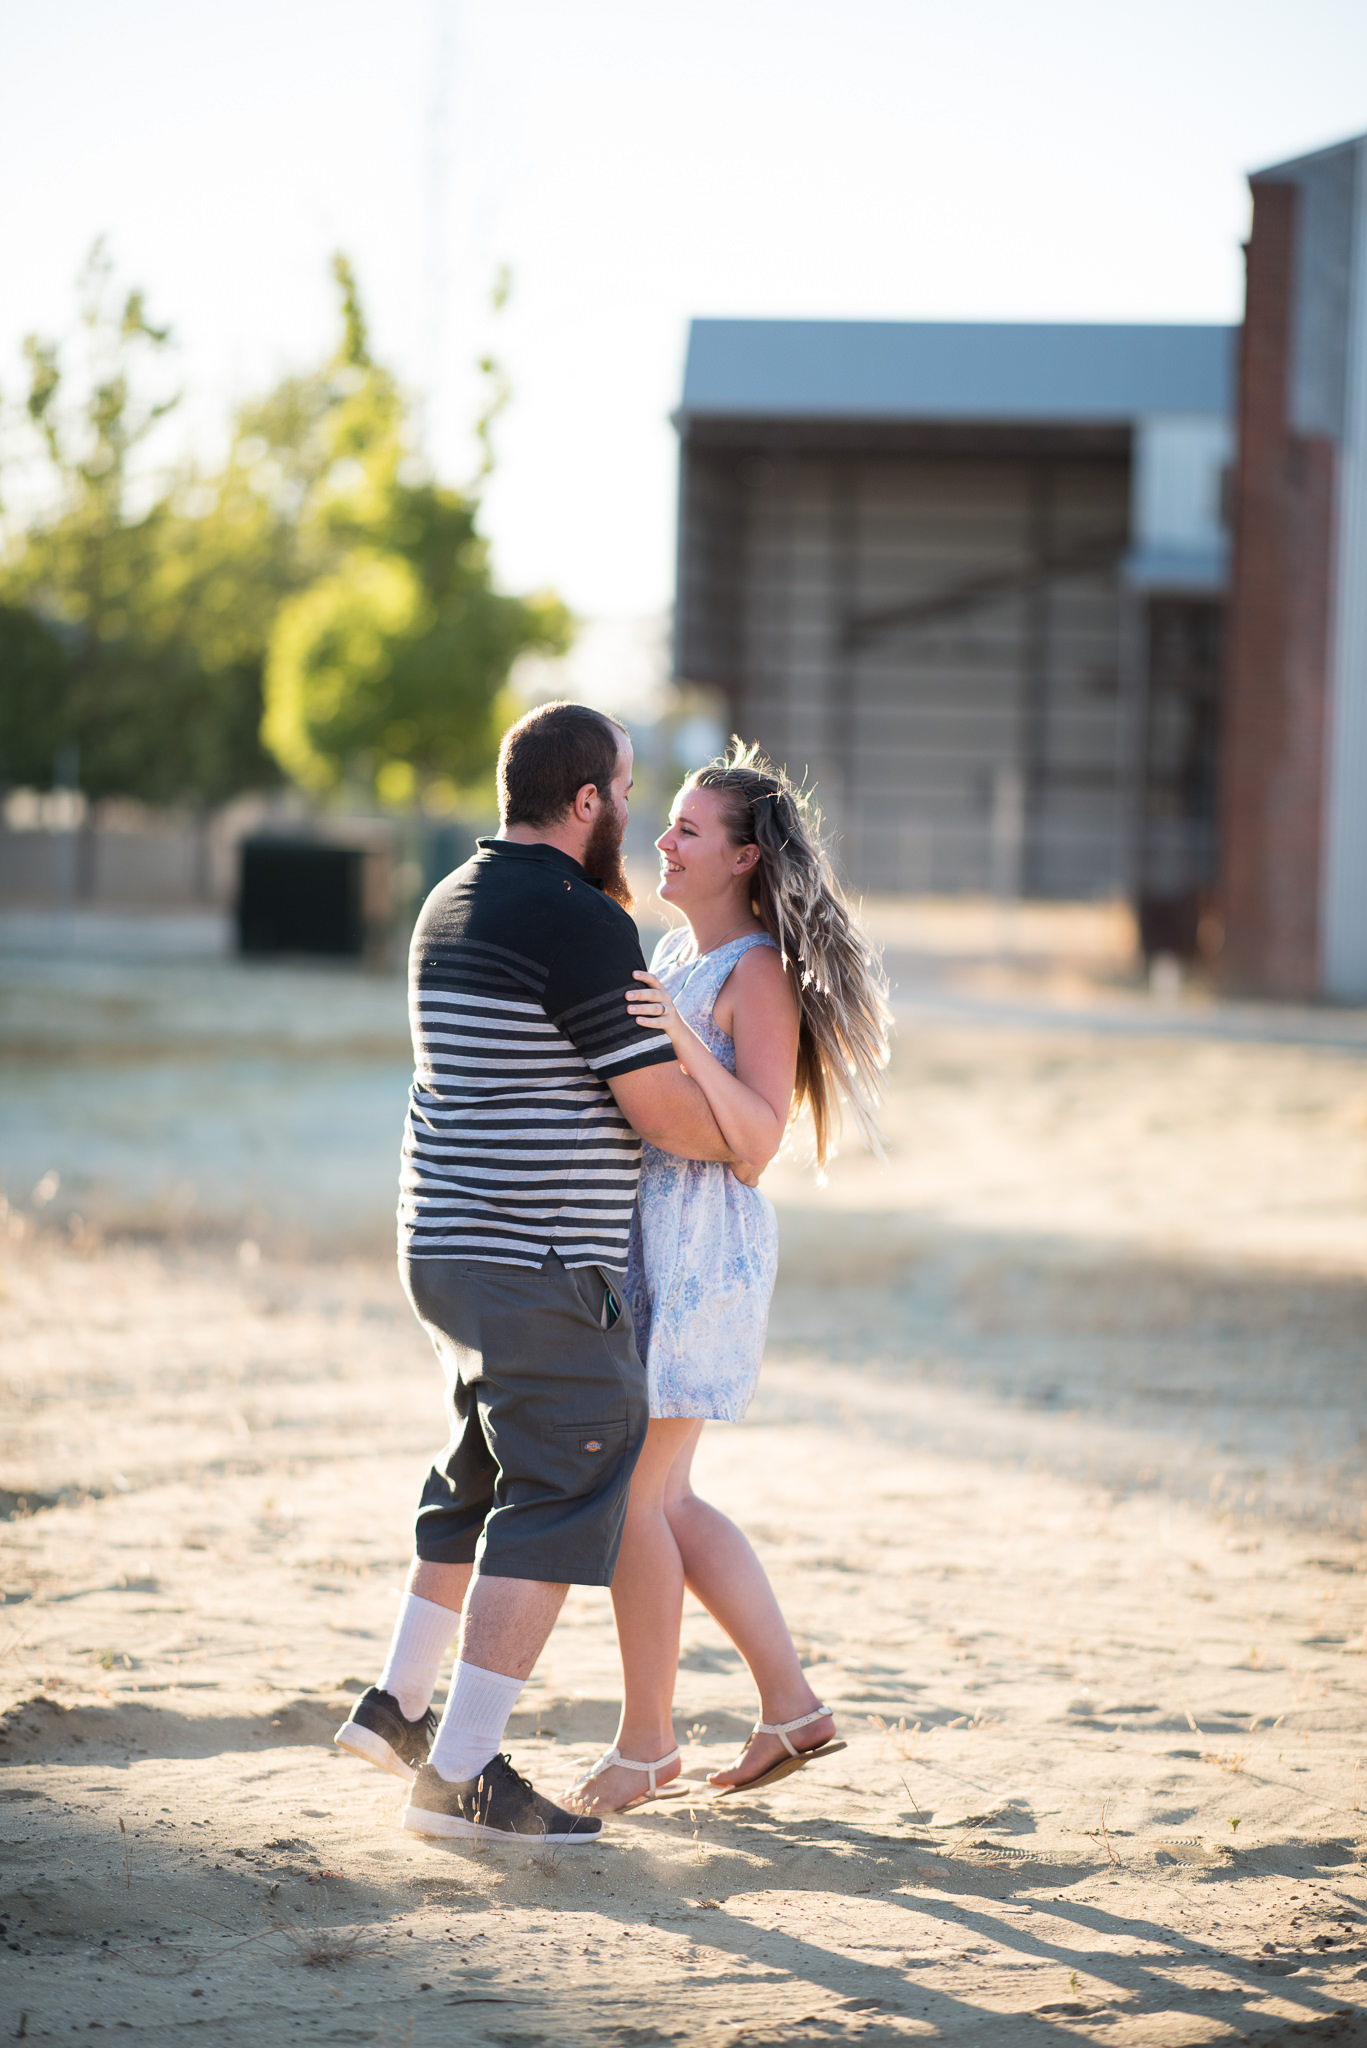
(950, 370)
(1301, 163)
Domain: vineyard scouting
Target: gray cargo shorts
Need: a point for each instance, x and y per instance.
(548, 1409)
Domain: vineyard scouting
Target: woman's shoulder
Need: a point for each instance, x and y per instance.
(759, 976)
(758, 962)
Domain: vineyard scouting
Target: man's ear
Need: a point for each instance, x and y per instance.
(584, 800)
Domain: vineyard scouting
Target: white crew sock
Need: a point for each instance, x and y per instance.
(422, 1636)
(477, 1710)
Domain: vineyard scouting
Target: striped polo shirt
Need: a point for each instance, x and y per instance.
(514, 1146)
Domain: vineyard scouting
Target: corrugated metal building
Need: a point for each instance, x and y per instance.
(1294, 816)
(971, 577)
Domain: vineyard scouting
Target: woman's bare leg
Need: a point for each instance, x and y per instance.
(647, 1600)
(722, 1571)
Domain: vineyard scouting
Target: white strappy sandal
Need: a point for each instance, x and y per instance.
(614, 1756)
(795, 1759)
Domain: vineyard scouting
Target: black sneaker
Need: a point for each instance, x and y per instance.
(377, 1732)
(499, 1805)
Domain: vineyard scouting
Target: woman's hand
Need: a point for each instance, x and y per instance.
(653, 1008)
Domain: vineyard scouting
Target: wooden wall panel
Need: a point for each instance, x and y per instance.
(912, 728)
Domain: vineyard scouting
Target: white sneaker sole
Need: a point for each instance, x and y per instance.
(422, 1821)
(372, 1749)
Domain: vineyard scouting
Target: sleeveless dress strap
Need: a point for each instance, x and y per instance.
(720, 963)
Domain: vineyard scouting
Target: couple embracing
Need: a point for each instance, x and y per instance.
(584, 1241)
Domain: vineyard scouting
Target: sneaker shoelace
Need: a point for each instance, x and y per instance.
(524, 1784)
(515, 1776)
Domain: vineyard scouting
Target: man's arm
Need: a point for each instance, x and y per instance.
(585, 996)
(667, 1107)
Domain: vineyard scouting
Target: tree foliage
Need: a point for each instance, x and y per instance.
(319, 594)
(111, 600)
(388, 668)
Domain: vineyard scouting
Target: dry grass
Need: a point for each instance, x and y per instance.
(546, 1860)
(324, 1948)
(896, 1736)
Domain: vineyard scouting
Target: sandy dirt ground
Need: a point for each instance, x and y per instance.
(1057, 1463)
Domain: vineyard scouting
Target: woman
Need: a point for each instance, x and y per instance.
(773, 999)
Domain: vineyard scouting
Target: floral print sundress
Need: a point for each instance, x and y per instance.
(704, 1248)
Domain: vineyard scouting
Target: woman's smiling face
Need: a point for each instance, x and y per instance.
(699, 860)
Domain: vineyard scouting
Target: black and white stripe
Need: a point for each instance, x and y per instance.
(514, 1145)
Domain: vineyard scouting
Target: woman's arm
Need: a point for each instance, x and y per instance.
(751, 1106)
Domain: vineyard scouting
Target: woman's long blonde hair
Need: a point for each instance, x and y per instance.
(844, 1019)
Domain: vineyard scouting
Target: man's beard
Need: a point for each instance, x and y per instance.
(603, 857)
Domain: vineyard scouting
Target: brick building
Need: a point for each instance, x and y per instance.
(1294, 768)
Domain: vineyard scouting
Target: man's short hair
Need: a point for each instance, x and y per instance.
(549, 755)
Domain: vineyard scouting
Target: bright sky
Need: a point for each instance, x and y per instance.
(636, 162)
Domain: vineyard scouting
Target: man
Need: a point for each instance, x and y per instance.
(532, 1090)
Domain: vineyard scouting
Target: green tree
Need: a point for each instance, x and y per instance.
(108, 647)
(387, 671)
(140, 624)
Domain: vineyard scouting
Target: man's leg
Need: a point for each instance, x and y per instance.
(457, 1494)
(444, 1584)
(424, 1628)
(504, 1631)
(392, 1725)
(507, 1622)
(550, 1398)
(468, 1789)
